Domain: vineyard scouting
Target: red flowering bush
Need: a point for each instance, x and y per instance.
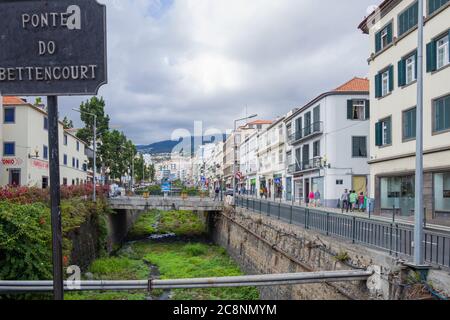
(27, 195)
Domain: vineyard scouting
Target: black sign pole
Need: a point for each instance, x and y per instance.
(55, 193)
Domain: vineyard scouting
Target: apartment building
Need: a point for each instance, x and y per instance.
(271, 155)
(249, 164)
(25, 153)
(328, 139)
(231, 148)
(392, 34)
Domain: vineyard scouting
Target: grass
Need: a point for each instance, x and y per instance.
(180, 260)
(144, 225)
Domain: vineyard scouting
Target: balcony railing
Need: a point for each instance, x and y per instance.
(307, 132)
(310, 164)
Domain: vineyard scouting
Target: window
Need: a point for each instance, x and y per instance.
(78, 145)
(383, 132)
(45, 123)
(78, 164)
(384, 83)
(9, 149)
(442, 192)
(65, 139)
(359, 147)
(9, 115)
(307, 124)
(316, 149)
(410, 69)
(358, 109)
(438, 53)
(73, 162)
(398, 192)
(65, 159)
(383, 38)
(316, 119)
(434, 5)
(339, 182)
(44, 182)
(441, 109)
(288, 130)
(280, 156)
(442, 52)
(409, 124)
(408, 19)
(64, 181)
(45, 152)
(407, 70)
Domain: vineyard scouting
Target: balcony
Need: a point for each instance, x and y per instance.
(309, 132)
(308, 165)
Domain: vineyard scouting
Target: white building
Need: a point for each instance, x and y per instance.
(272, 155)
(249, 164)
(329, 138)
(173, 167)
(25, 153)
(392, 71)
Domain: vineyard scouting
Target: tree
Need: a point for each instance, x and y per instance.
(152, 172)
(68, 124)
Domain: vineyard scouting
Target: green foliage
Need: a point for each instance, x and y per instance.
(342, 256)
(182, 223)
(144, 225)
(25, 241)
(67, 124)
(117, 153)
(119, 268)
(179, 260)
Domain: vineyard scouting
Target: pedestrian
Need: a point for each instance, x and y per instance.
(353, 197)
(311, 198)
(317, 198)
(344, 201)
(216, 193)
(265, 192)
(361, 202)
(261, 192)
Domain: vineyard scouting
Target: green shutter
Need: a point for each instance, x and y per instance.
(389, 32)
(447, 112)
(402, 73)
(367, 109)
(378, 42)
(415, 64)
(349, 109)
(391, 78)
(378, 134)
(448, 42)
(431, 56)
(389, 131)
(378, 86)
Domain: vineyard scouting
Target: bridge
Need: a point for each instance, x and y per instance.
(166, 203)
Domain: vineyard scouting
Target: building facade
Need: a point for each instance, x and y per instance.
(328, 140)
(393, 70)
(249, 164)
(25, 153)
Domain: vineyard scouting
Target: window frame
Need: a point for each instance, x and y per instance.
(45, 123)
(353, 147)
(383, 74)
(45, 152)
(4, 115)
(13, 143)
(446, 47)
(404, 113)
(412, 65)
(401, 34)
(66, 139)
(433, 111)
(383, 121)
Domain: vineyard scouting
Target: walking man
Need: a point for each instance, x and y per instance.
(353, 197)
(317, 198)
(344, 201)
(216, 194)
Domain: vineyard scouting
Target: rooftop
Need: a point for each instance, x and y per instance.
(354, 85)
(13, 101)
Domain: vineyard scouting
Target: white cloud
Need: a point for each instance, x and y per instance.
(173, 62)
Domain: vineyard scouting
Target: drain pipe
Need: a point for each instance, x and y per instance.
(217, 282)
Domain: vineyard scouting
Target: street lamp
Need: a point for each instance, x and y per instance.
(94, 182)
(235, 154)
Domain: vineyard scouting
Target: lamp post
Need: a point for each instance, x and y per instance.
(94, 169)
(235, 154)
(419, 210)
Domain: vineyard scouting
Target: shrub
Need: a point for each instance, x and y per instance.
(195, 250)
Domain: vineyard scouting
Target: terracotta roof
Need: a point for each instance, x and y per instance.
(13, 101)
(261, 122)
(356, 84)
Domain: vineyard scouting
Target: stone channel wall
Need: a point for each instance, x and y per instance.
(262, 245)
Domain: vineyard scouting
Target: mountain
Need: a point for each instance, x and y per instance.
(168, 146)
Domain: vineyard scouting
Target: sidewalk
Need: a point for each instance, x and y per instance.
(358, 214)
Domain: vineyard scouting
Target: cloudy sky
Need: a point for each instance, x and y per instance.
(173, 62)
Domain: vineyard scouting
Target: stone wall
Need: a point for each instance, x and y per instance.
(262, 245)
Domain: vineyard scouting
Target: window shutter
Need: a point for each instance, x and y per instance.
(448, 42)
(378, 85)
(389, 132)
(431, 56)
(402, 73)
(363, 147)
(367, 109)
(378, 134)
(389, 32)
(378, 42)
(415, 64)
(349, 109)
(391, 78)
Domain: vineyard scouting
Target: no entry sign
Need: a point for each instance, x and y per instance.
(52, 47)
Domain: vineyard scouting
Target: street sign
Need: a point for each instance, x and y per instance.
(52, 47)
(165, 187)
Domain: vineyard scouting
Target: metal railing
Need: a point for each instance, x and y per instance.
(310, 164)
(395, 238)
(309, 131)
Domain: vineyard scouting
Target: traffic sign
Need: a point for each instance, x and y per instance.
(52, 47)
